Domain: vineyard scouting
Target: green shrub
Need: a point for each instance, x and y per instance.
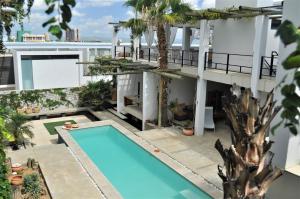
(95, 94)
(32, 186)
(5, 188)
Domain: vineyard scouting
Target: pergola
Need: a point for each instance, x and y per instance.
(237, 12)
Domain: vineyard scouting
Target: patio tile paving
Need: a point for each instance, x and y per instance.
(64, 176)
(195, 152)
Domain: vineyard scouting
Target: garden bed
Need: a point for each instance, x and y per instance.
(33, 184)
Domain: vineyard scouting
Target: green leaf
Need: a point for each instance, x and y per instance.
(64, 25)
(293, 130)
(50, 21)
(56, 31)
(275, 127)
(288, 89)
(70, 2)
(66, 13)
(287, 32)
(49, 1)
(50, 9)
(292, 61)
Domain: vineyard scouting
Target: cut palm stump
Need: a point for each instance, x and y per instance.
(248, 161)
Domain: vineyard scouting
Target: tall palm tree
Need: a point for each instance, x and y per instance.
(17, 126)
(160, 13)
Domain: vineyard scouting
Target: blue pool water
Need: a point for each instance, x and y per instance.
(134, 172)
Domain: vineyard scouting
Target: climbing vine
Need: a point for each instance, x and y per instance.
(290, 34)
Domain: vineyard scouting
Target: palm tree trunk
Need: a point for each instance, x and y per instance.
(247, 171)
(163, 84)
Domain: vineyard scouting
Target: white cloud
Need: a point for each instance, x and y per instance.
(208, 4)
(130, 14)
(91, 27)
(39, 5)
(193, 3)
(77, 13)
(97, 3)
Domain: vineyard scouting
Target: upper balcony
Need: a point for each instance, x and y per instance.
(237, 67)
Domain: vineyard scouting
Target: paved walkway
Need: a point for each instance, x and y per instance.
(41, 134)
(195, 152)
(64, 176)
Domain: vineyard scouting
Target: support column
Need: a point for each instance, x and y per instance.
(201, 83)
(186, 38)
(186, 44)
(286, 146)
(259, 49)
(114, 40)
(136, 45)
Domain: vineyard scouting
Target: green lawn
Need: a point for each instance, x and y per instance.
(51, 125)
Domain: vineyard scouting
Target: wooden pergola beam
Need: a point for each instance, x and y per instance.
(165, 74)
(218, 11)
(122, 73)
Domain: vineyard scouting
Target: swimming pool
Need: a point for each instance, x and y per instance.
(133, 171)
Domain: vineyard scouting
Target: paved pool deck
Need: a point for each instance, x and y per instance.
(195, 152)
(65, 177)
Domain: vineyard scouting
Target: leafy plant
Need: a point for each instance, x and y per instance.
(14, 11)
(30, 97)
(17, 126)
(57, 24)
(290, 34)
(32, 186)
(95, 94)
(5, 188)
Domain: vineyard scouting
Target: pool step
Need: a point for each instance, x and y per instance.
(120, 115)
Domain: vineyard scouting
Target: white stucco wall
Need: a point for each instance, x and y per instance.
(272, 41)
(55, 73)
(128, 86)
(182, 89)
(150, 96)
(50, 73)
(234, 37)
(286, 147)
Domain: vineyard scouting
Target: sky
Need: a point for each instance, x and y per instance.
(91, 17)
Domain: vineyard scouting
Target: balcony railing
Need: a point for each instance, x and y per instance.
(123, 52)
(175, 56)
(268, 66)
(240, 63)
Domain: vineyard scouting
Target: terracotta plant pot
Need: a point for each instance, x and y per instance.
(28, 110)
(17, 168)
(21, 110)
(188, 131)
(68, 125)
(36, 109)
(16, 180)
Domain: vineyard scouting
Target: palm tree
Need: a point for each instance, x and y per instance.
(17, 126)
(160, 13)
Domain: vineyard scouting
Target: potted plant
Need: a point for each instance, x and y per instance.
(17, 126)
(173, 107)
(30, 98)
(188, 130)
(16, 180)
